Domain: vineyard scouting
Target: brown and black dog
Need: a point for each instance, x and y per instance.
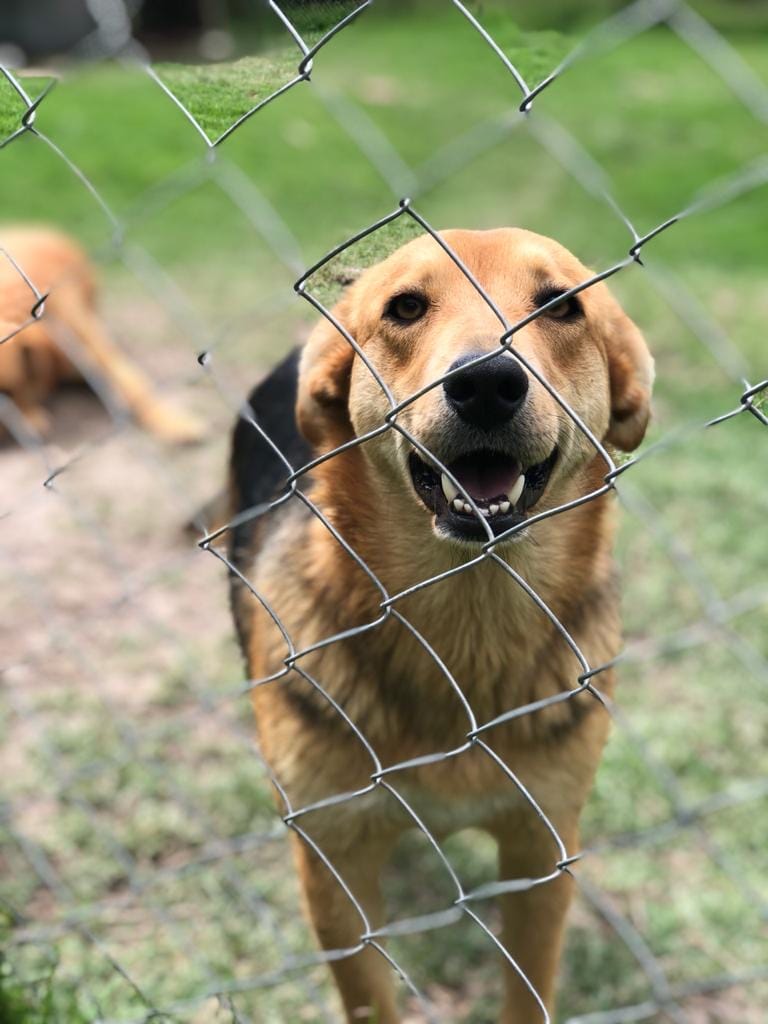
(69, 338)
(515, 451)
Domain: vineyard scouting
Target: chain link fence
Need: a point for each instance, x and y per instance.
(144, 865)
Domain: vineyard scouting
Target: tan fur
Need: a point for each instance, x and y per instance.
(501, 649)
(33, 365)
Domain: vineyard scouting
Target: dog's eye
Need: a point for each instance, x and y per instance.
(406, 308)
(568, 309)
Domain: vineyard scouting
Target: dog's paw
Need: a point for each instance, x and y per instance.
(172, 425)
(37, 422)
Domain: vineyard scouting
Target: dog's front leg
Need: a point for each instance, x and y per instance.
(533, 921)
(365, 979)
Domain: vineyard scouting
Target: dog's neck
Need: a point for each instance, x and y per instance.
(501, 646)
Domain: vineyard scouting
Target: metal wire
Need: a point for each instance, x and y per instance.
(87, 917)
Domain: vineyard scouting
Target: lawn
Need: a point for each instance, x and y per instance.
(140, 826)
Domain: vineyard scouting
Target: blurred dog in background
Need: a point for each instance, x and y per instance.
(69, 341)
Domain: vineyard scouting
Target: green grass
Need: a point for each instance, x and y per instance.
(107, 813)
(659, 139)
(35, 996)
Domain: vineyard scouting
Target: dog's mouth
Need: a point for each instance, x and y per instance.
(502, 489)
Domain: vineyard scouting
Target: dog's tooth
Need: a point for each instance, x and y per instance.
(504, 507)
(517, 490)
(468, 508)
(485, 512)
(458, 504)
(449, 490)
(493, 509)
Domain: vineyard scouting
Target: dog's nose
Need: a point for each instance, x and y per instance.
(487, 394)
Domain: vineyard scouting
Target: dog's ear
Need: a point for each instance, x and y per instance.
(630, 368)
(322, 410)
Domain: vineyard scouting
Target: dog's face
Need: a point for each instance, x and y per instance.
(502, 435)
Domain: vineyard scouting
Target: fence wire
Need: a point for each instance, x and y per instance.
(90, 934)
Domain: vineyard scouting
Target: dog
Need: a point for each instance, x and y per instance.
(40, 352)
(344, 690)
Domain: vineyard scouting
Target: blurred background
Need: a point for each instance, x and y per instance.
(143, 868)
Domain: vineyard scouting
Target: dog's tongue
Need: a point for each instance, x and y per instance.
(485, 475)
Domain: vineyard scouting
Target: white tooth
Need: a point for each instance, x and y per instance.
(468, 509)
(485, 512)
(517, 490)
(504, 507)
(493, 509)
(449, 490)
(458, 504)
